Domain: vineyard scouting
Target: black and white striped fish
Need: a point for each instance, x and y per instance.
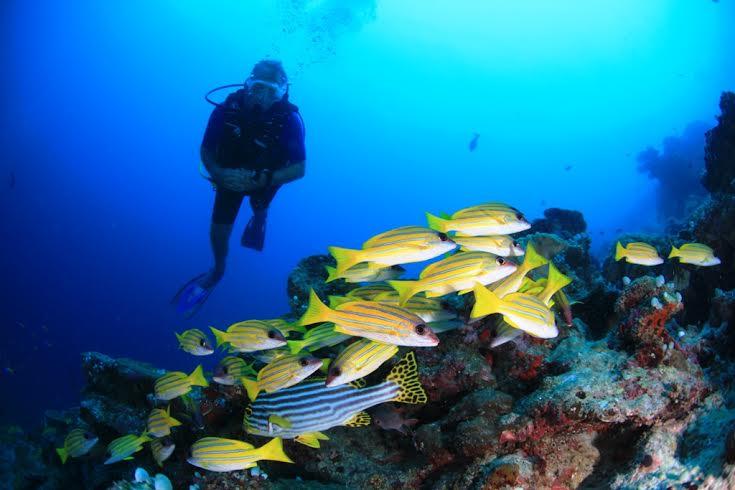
(304, 410)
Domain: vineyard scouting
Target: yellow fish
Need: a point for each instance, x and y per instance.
(77, 443)
(317, 338)
(399, 246)
(162, 449)
(482, 220)
(365, 272)
(638, 253)
(250, 336)
(695, 253)
(282, 372)
(176, 383)
(124, 447)
(520, 310)
(428, 309)
(195, 342)
(459, 272)
(501, 245)
(230, 369)
(218, 454)
(358, 360)
(160, 422)
(513, 282)
(555, 282)
(372, 320)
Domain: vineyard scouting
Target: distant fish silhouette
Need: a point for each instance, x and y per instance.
(12, 180)
(473, 141)
(568, 168)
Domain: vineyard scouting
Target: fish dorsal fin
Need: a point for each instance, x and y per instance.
(360, 419)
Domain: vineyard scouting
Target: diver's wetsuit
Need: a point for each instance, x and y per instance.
(254, 140)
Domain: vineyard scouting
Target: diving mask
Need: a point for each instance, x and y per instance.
(275, 89)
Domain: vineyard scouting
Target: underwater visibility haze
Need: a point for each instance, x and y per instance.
(470, 244)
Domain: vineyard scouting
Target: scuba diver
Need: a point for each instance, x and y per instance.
(253, 144)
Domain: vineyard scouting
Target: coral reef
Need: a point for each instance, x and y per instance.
(310, 273)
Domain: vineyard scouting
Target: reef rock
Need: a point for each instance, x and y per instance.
(310, 273)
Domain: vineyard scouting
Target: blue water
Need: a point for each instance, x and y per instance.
(104, 215)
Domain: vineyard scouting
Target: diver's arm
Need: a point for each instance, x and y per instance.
(210, 163)
(292, 172)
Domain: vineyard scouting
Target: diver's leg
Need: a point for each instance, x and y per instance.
(226, 206)
(254, 234)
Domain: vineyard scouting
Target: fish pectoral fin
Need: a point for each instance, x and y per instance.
(360, 419)
(279, 421)
(311, 439)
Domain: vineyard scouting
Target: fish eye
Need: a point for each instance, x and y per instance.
(516, 244)
(224, 369)
(272, 334)
(443, 237)
(203, 343)
(420, 329)
(304, 361)
(500, 260)
(335, 371)
(520, 217)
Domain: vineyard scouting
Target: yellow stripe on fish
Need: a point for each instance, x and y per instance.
(124, 447)
(401, 246)
(520, 310)
(428, 309)
(638, 253)
(383, 323)
(696, 254)
(513, 282)
(459, 272)
(501, 245)
(250, 336)
(176, 383)
(160, 422)
(359, 359)
(282, 372)
(317, 338)
(218, 454)
(488, 219)
(76, 444)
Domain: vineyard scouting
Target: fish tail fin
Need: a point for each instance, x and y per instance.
(437, 223)
(219, 336)
(197, 377)
(486, 302)
(317, 312)
(345, 257)
(556, 280)
(532, 258)
(332, 274)
(63, 454)
(273, 451)
(405, 289)
(251, 386)
(619, 251)
(295, 346)
(406, 375)
(179, 337)
(144, 437)
(675, 252)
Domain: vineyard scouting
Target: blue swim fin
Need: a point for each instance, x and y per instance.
(254, 234)
(192, 295)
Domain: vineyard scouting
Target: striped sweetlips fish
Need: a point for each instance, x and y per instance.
(457, 273)
(398, 246)
(372, 320)
(303, 411)
(481, 220)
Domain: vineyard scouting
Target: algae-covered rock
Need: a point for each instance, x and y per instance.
(310, 273)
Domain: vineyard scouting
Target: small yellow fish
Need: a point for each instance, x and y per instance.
(77, 443)
(514, 281)
(195, 342)
(218, 454)
(459, 272)
(501, 245)
(160, 422)
(162, 449)
(317, 338)
(359, 359)
(365, 272)
(695, 253)
(519, 310)
(282, 372)
(399, 246)
(124, 447)
(482, 220)
(250, 336)
(638, 253)
(428, 309)
(176, 383)
(372, 320)
(230, 369)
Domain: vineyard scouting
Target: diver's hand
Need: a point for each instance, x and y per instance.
(237, 179)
